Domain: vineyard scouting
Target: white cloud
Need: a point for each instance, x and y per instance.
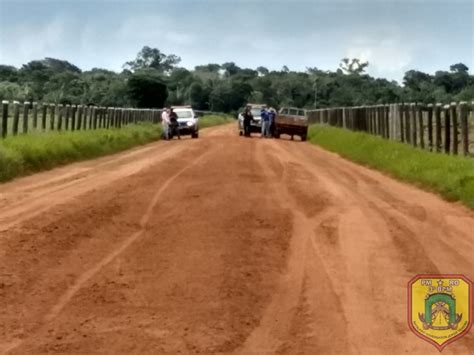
(387, 55)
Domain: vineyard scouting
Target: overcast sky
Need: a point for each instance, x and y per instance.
(394, 36)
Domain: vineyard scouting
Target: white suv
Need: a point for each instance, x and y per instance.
(187, 120)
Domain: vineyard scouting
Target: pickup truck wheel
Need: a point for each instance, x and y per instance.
(303, 138)
(195, 135)
(241, 133)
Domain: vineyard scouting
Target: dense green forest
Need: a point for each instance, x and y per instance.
(154, 79)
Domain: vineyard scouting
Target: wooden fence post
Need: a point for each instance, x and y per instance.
(16, 117)
(108, 118)
(379, 111)
(4, 118)
(68, 116)
(454, 120)
(73, 117)
(351, 118)
(104, 117)
(80, 112)
(90, 110)
(126, 117)
(367, 113)
(98, 124)
(360, 118)
(35, 115)
(401, 115)
(419, 117)
(26, 109)
(430, 126)
(397, 123)
(52, 116)
(463, 118)
(447, 129)
(380, 120)
(116, 117)
(438, 136)
(407, 123)
(119, 115)
(414, 124)
(386, 120)
(61, 112)
(94, 117)
(44, 113)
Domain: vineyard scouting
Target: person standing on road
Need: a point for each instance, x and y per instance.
(265, 123)
(272, 115)
(174, 123)
(165, 122)
(247, 115)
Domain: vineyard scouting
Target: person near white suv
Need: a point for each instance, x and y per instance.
(188, 122)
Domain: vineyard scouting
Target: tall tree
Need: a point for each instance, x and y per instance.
(147, 89)
(353, 66)
(153, 58)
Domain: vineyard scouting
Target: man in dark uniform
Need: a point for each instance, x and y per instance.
(247, 115)
(174, 124)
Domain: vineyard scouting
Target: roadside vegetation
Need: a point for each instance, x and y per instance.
(25, 154)
(37, 151)
(450, 176)
(214, 120)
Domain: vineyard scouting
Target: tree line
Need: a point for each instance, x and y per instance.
(154, 79)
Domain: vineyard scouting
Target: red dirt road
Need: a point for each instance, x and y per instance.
(221, 244)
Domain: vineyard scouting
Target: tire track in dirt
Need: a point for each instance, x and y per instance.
(35, 198)
(303, 268)
(87, 275)
(126, 243)
(402, 239)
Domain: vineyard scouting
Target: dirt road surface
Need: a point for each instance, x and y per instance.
(221, 244)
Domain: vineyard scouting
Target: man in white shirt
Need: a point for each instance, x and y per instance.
(165, 122)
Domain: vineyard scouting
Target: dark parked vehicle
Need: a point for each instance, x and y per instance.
(291, 121)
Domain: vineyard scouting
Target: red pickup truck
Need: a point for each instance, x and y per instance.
(291, 121)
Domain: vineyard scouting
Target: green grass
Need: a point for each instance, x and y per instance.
(214, 120)
(30, 153)
(450, 176)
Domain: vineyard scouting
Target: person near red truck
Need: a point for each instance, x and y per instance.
(272, 115)
(265, 123)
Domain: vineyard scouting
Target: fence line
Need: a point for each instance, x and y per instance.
(56, 117)
(68, 117)
(436, 127)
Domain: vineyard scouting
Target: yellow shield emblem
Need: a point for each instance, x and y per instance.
(440, 307)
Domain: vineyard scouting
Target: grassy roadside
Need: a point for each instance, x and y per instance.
(214, 120)
(36, 151)
(30, 153)
(452, 177)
